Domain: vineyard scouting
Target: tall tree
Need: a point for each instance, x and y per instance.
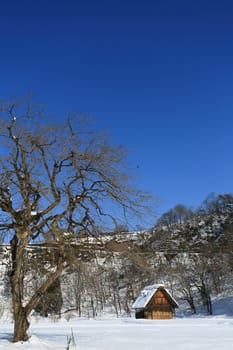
(55, 182)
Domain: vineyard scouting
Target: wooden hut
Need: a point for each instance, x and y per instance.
(155, 302)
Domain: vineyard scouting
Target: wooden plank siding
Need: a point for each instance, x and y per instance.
(158, 307)
(158, 315)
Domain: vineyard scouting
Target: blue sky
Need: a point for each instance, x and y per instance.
(158, 75)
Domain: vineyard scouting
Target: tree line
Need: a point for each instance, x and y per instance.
(193, 258)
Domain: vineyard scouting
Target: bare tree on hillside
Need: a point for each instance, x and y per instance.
(55, 182)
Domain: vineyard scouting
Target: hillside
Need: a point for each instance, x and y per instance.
(192, 256)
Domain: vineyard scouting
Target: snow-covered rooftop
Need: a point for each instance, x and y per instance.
(147, 293)
(145, 296)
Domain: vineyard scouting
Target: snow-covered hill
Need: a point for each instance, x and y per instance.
(193, 257)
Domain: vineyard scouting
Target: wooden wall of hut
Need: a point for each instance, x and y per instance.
(159, 307)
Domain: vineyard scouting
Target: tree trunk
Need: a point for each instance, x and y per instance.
(20, 315)
(21, 326)
(206, 297)
(209, 305)
(192, 305)
(21, 312)
(188, 296)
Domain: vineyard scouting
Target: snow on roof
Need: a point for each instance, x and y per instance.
(145, 296)
(147, 293)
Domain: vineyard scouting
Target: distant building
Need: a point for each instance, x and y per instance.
(155, 302)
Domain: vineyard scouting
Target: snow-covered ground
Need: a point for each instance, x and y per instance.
(212, 333)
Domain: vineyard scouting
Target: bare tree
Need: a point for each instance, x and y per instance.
(55, 182)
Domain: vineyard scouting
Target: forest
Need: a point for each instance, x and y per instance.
(190, 251)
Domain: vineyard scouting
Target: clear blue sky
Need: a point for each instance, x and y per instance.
(158, 75)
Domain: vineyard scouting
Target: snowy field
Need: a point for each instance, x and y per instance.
(125, 334)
